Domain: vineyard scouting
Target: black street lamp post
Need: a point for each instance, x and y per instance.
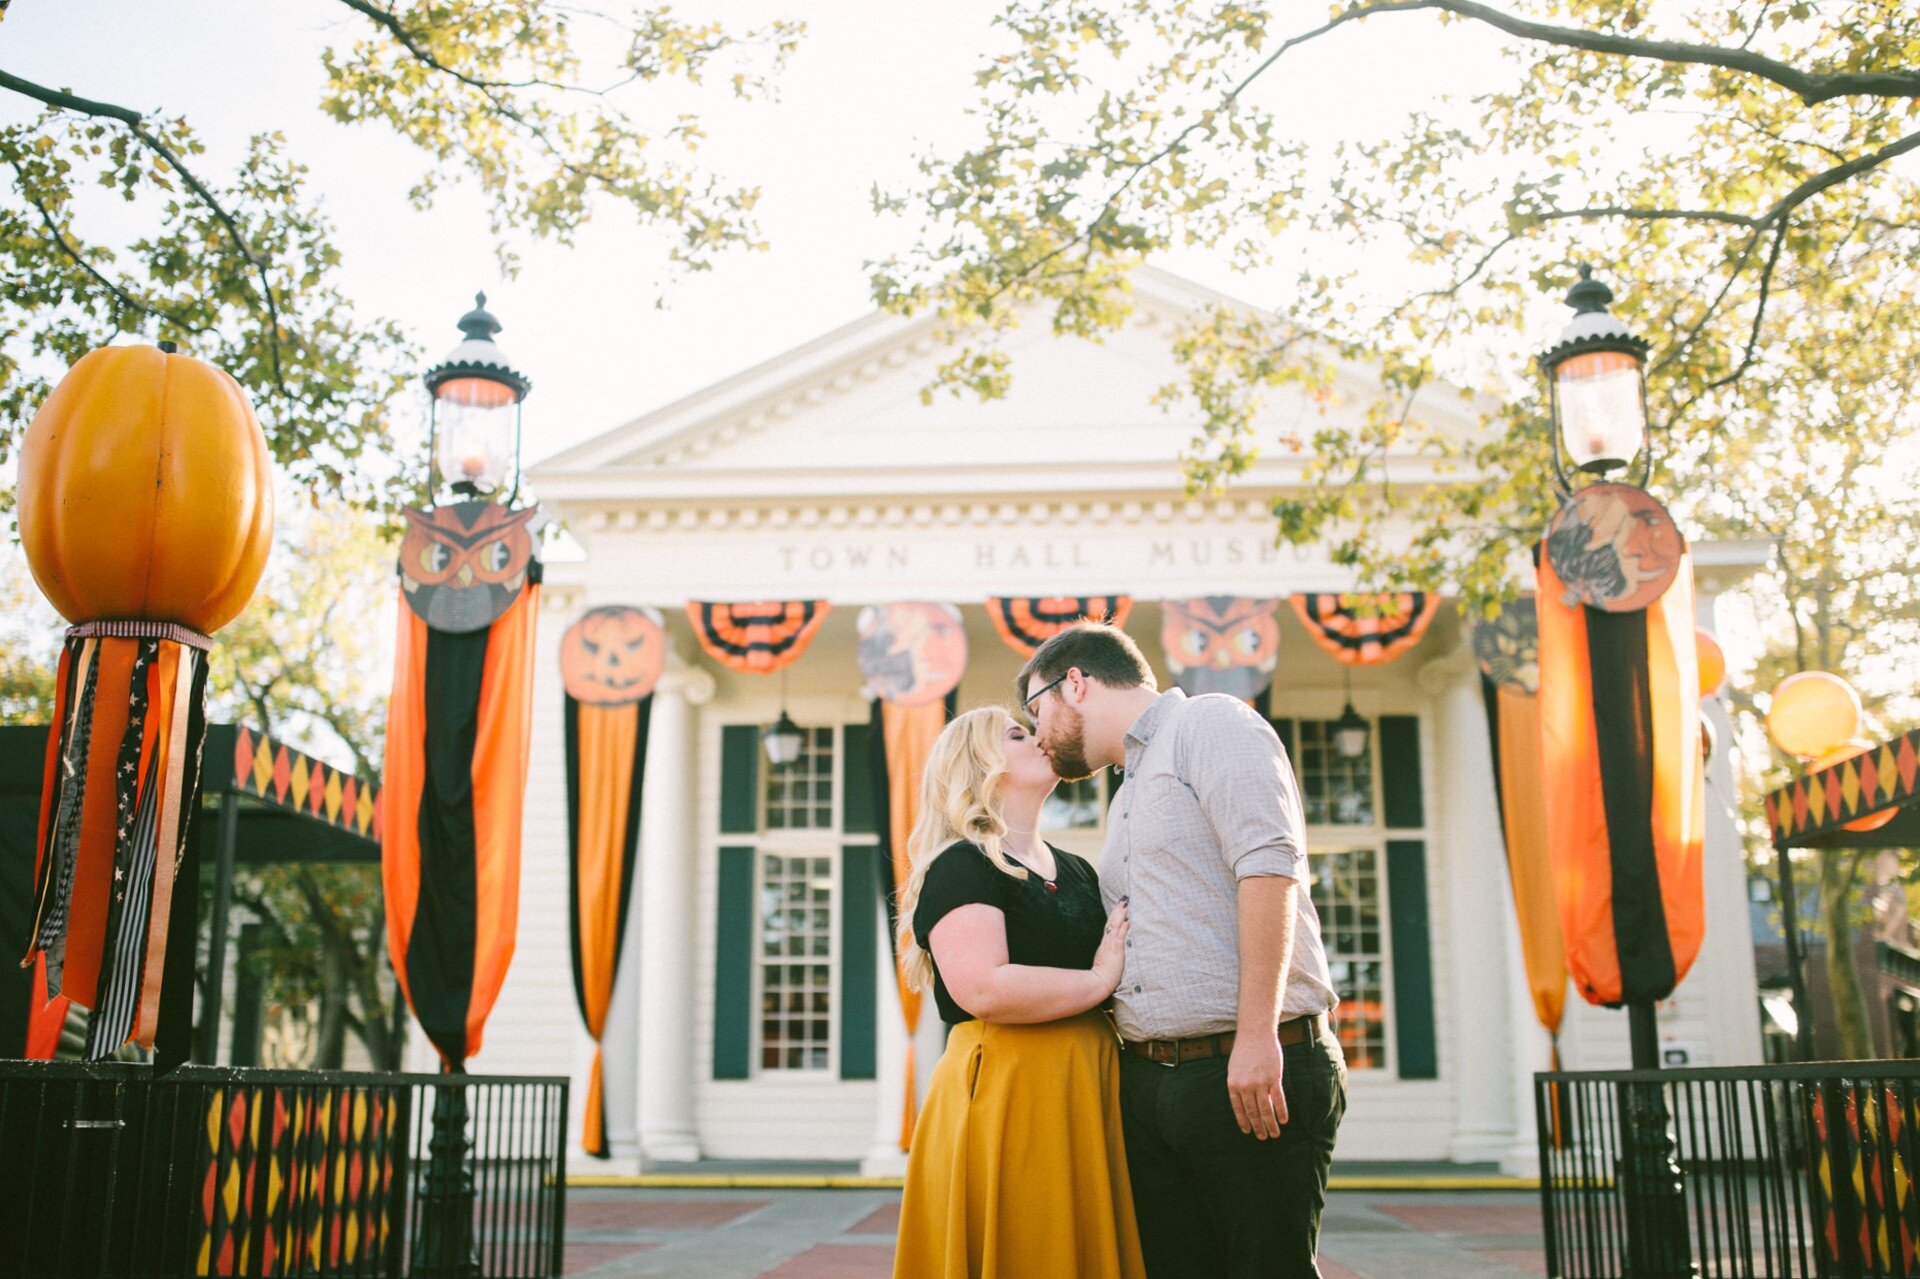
(1596, 382)
(474, 453)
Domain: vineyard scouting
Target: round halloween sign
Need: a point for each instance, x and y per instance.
(1614, 547)
(1507, 646)
(912, 653)
(613, 656)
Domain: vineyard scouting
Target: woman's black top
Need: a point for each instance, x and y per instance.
(1048, 926)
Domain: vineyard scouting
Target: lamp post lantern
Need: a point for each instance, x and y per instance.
(783, 739)
(1597, 388)
(474, 431)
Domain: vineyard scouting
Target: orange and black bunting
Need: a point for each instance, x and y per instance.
(1624, 784)
(1366, 630)
(458, 732)
(116, 877)
(609, 662)
(1027, 622)
(756, 638)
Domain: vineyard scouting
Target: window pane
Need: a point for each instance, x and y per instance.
(1336, 791)
(796, 933)
(1346, 892)
(799, 796)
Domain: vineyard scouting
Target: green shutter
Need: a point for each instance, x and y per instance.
(1284, 727)
(1400, 782)
(856, 771)
(1412, 958)
(859, 941)
(733, 967)
(739, 779)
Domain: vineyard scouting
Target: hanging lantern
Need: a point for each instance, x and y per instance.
(783, 740)
(1597, 390)
(475, 422)
(1350, 734)
(1811, 713)
(146, 514)
(1713, 662)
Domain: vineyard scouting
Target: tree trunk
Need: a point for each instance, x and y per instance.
(330, 1040)
(1837, 875)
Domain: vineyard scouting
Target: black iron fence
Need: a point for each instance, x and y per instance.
(1746, 1171)
(108, 1170)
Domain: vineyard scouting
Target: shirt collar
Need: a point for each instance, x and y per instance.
(1149, 722)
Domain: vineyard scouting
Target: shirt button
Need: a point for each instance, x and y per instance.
(1136, 990)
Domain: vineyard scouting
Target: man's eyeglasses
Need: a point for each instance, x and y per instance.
(1028, 704)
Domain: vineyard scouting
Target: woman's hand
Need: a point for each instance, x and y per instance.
(1112, 955)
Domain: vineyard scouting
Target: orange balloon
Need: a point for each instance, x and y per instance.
(1812, 712)
(145, 491)
(1713, 662)
(1841, 753)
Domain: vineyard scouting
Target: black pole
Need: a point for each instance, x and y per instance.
(1658, 1246)
(443, 1246)
(1796, 956)
(229, 834)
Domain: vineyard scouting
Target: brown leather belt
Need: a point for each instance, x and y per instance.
(1173, 1052)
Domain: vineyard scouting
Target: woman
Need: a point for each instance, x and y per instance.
(1017, 1167)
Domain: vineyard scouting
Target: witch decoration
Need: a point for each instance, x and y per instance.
(912, 656)
(459, 719)
(146, 514)
(610, 661)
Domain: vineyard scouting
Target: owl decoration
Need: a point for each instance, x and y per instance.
(1507, 647)
(911, 654)
(1221, 644)
(613, 656)
(462, 565)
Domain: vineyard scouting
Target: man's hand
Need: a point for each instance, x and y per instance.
(1253, 1084)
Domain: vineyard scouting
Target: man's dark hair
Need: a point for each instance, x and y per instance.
(1102, 652)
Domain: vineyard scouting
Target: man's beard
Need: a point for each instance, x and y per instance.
(1066, 746)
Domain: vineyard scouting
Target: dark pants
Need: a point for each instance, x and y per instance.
(1216, 1203)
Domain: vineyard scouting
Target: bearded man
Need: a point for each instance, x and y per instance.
(1232, 1086)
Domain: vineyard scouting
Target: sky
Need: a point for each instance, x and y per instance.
(872, 86)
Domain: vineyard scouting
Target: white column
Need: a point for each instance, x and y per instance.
(620, 1052)
(1472, 860)
(669, 846)
(1725, 963)
(1532, 1051)
(884, 1157)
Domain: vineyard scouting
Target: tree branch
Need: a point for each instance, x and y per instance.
(126, 299)
(390, 23)
(136, 125)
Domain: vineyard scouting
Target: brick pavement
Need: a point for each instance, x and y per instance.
(848, 1234)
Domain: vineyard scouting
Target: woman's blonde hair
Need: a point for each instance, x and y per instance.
(959, 799)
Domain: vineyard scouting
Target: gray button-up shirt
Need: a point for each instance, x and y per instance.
(1209, 800)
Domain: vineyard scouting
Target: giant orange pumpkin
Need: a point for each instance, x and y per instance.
(145, 491)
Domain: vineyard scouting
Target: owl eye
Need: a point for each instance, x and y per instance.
(1197, 640)
(434, 557)
(1248, 642)
(495, 556)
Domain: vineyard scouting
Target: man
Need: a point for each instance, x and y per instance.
(1231, 1084)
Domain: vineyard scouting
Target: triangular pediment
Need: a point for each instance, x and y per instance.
(851, 405)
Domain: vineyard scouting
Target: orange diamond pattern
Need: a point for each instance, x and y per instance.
(1820, 801)
(281, 775)
(297, 1181)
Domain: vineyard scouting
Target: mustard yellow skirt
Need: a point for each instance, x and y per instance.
(1017, 1168)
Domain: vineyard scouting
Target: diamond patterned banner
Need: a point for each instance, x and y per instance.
(1818, 802)
(288, 779)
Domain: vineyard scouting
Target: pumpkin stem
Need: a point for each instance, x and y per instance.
(170, 347)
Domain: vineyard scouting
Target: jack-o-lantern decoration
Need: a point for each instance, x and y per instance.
(1614, 547)
(613, 655)
(1221, 644)
(146, 514)
(464, 564)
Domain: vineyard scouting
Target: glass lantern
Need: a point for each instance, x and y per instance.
(476, 411)
(1596, 376)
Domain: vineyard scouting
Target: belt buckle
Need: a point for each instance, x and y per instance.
(1172, 1059)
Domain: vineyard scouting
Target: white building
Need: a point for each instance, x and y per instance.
(822, 475)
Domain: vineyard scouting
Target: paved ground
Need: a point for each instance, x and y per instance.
(848, 1234)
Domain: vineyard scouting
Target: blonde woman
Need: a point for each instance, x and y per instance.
(1017, 1167)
